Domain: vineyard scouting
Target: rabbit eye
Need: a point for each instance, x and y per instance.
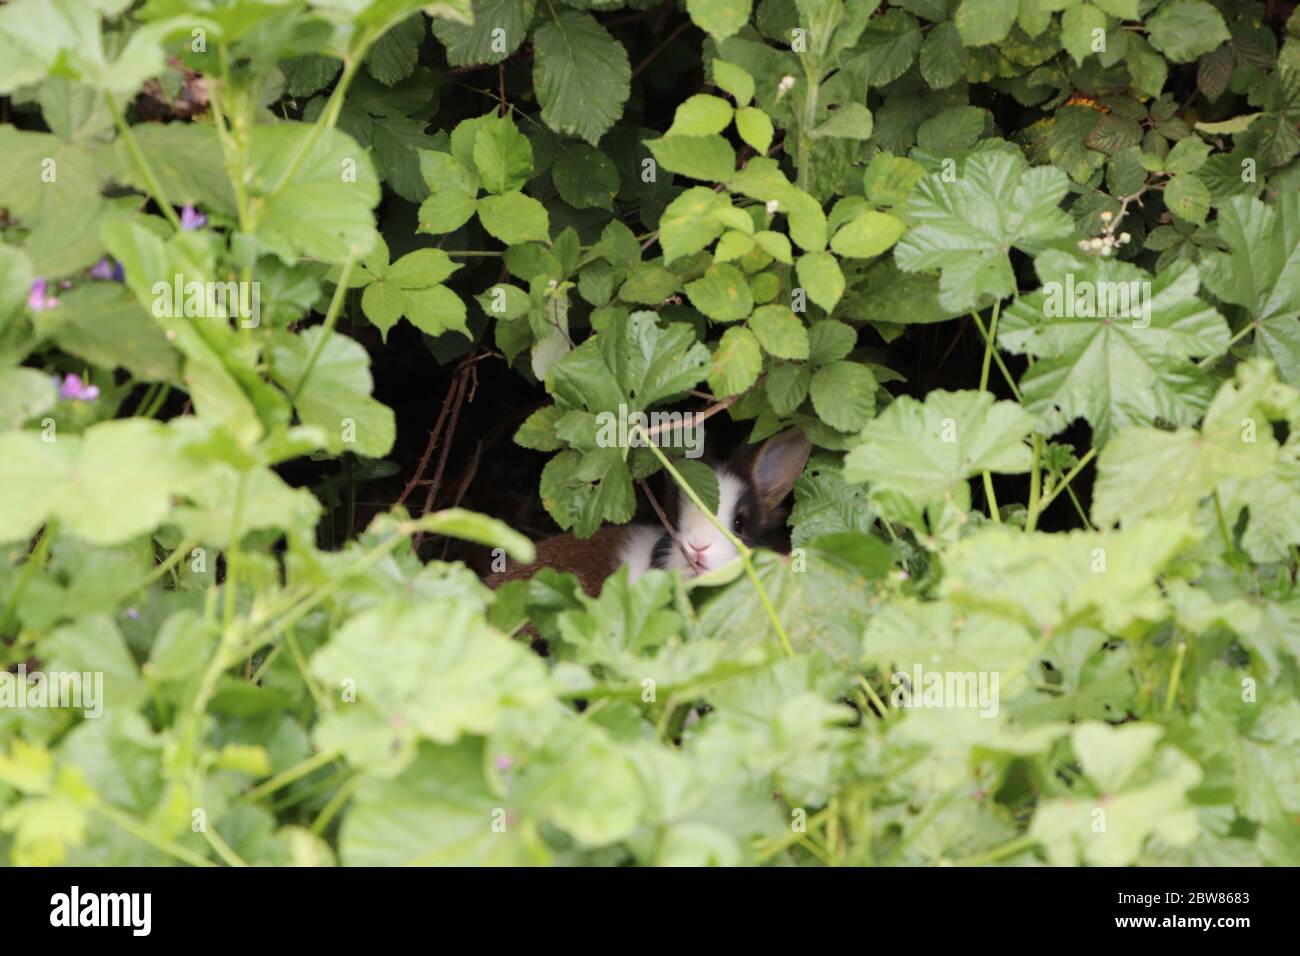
(738, 521)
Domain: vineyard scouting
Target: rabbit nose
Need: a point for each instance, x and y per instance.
(701, 548)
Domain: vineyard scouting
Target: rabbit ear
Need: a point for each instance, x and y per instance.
(779, 461)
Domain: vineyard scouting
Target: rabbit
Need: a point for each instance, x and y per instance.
(752, 486)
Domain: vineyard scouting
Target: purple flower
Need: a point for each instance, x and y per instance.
(133, 614)
(78, 391)
(192, 219)
(38, 300)
(107, 269)
(504, 763)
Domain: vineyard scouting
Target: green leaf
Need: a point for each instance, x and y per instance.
(1188, 198)
(502, 155)
(719, 18)
(1184, 29)
(915, 454)
(24, 394)
(965, 228)
(412, 287)
(452, 192)
(393, 57)
(111, 483)
(336, 394)
(690, 223)
(1140, 795)
(1145, 471)
(736, 362)
(819, 273)
(469, 44)
(722, 293)
(651, 363)
(585, 177)
(1078, 24)
(1258, 273)
(981, 22)
(1111, 351)
(779, 331)
(701, 115)
(324, 208)
(867, 234)
(735, 80)
(850, 121)
(1187, 156)
(755, 128)
(708, 158)
(890, 179)
(844, 395)
(571, 50)
(1106, 579)
(438, 811)
(103, 324)
(939, 637)
(514, 218)
(448, 676)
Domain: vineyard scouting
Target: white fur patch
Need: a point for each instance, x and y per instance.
(705, 542)
(637, 549)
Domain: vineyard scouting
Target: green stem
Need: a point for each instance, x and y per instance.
(997, 357)
(331, 317)
(172, 560)
(1223, 524)
(989, 345)
(233, 558)
(1035, 484)
(34, 560)
(1022, 842)
(989, 348)
(138, 157)
(1065, 482)
(296, 772)
(1237, 337)
(1172, 693)
(158, 399)
(328, 117)
(141, 832)
(336, 802)
(223, 848)
(740, 546)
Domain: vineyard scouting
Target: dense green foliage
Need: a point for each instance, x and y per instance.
(652, 204)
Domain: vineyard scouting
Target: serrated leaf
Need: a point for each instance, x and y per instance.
(708, 158)
(736, 362)
(570, 50)
(844, 395)
(1109, 351)
(514, 218)
(1184, 29)
(915, 454)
